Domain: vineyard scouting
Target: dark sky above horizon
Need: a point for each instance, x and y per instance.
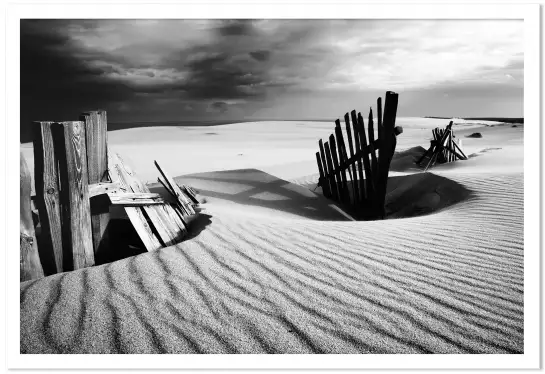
(159, 70)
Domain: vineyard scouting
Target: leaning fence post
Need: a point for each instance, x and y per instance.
(69, 140)
(46, 181)
(30, 265)
(97, 168)
(387, 146)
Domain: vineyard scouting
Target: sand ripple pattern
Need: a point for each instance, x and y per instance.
(450, 282)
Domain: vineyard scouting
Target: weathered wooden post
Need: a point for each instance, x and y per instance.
(70, 149)
(30, 265)
(46, 182)
(97, 168)
(387, 147)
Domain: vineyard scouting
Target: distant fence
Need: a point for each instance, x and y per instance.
(364, 192)
(76, 182)
(443, 148)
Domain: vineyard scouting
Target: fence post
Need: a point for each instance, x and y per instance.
(97, 167)
(69, 140)
(387, 146)
(29, 259)
(327, 181)
(46, 181)
(332, 177)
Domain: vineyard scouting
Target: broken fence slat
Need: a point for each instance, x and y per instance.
(136, 215)
(358, 158)
(370, 183)
(168, 232)
(180, 195)
(336, 169)
(135, 199)
(374, 161)
(96, 189)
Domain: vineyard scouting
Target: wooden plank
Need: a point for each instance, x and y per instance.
(29, 258)
(178, 193)
(461, 155)
(136, 215)
(327, 172)
(359, 154)
(380, 126)
(355, 189)
(332, 177)
(342, 160)
(187, 190)
(97, 169)
(46, 183)
(374, 161)
(387, 146)
(169, 232)
(337, 170)
(370, 182)
(96, 189)
(77, 238)
(135, 199)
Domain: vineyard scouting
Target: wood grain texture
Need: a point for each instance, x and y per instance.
(136, 215)
(183, 200)
(169, 232)
(46, 183)
(96, 137)
(70, 147)
(30, 265)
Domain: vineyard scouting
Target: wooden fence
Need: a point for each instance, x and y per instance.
(76, 182)
(443, 148)
(363, 191)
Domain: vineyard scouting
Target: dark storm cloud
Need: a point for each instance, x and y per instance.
(261, 55)
(54, 84)
(156, 68)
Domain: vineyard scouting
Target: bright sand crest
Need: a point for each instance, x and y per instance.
(272, 267)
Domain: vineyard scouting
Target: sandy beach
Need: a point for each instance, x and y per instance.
(271, 266)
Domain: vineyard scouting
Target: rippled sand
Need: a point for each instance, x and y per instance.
(274, 269)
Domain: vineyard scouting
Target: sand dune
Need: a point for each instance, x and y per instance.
(272, 268)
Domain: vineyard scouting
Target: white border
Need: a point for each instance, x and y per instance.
(530, 14)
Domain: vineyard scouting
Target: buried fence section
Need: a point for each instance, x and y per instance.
(364, 195)
(443, 148)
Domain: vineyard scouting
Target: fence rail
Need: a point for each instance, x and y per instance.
(363, 190)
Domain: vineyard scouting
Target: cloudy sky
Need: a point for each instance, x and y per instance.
(169, 70)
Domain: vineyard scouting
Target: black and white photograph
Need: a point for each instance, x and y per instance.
(268, 185)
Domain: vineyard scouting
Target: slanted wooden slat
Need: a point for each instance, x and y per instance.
(190, 193)
(327, 171)
(337, 169)
(380, 126)
(136, 215)
(182, 199)
(334, 186)
(355, 189)
(374, 161)
(29, 258)
(97, 168)
(46, 183)
(77, 239)
(169, 232)
(370, 182)
(359, 153)
(342, 160)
